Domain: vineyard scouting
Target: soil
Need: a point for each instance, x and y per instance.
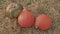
(37, 7)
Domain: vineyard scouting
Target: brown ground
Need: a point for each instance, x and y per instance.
(49, 7)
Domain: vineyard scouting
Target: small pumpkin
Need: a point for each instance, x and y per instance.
(26, 18)
(43, 22)
(13, 10)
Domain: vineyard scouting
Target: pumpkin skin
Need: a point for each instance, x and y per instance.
(13, 10)
(26, 19)
(43, 22)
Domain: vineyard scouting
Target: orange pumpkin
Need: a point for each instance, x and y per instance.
(26, 19)
(43, 22)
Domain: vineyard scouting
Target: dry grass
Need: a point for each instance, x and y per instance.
(49, 7)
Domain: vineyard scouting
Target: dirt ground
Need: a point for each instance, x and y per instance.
(49, 7)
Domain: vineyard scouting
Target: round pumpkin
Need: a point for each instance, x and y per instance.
(13, 10)
(43, 22)
(26, 19)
